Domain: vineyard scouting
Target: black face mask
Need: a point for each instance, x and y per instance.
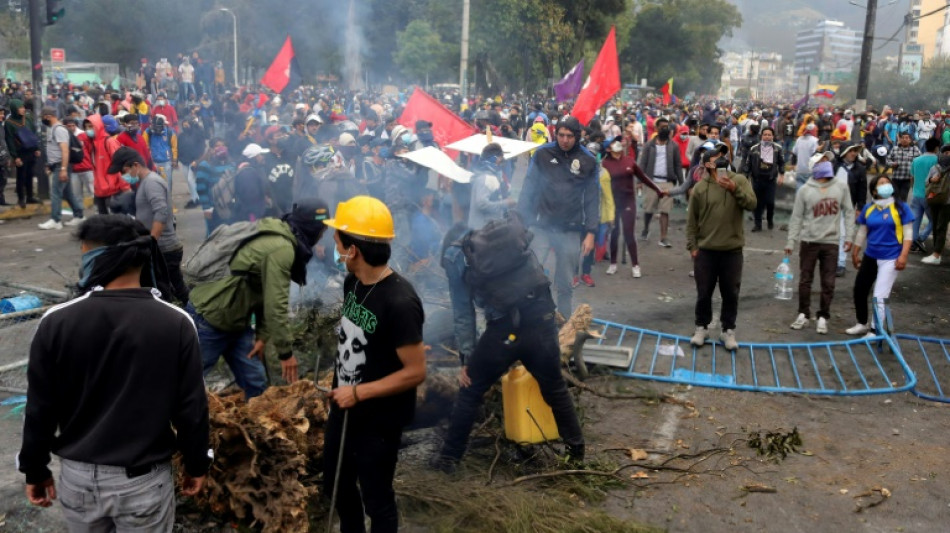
(944, 161)
(663, 133)
(46, 122)
(722, 162)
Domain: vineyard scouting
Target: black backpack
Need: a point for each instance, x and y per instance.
(76, 151)
(501, 268)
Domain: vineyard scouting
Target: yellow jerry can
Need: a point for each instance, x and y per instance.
(521, 393)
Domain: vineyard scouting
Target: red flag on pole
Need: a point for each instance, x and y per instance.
(284, 73)
(667, 91)
(447, 127)
(603, 82)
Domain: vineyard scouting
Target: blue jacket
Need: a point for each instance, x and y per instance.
(562, 189)
(164, 147)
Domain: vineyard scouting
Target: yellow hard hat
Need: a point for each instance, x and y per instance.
(364, 217)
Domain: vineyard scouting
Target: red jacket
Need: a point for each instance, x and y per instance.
(87, 149)
(137, 144)
(682, 143)
(169, 113)
(105, 185)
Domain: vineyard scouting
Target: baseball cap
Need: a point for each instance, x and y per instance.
(253, 150)
(124, 157)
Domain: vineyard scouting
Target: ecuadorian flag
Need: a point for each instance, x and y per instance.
(826, 91)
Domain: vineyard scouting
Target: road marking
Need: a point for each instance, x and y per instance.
(665, 433)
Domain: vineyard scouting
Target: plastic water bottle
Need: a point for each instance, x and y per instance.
(783, 280)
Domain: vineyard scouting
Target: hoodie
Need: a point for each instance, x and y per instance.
(683, 144)
(816, 216)
(714, 217)
(13, 122)
(103, 146)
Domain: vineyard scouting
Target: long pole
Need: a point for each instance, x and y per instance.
(864, 73)
(234, 26)
(463, 68)
(36, 56)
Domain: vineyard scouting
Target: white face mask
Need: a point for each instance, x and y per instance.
(616, 147)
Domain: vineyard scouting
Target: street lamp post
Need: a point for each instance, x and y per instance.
(234, 17)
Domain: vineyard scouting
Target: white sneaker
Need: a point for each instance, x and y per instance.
(931, 260)
(870, 335)
(857, 329)
(822, 326)
(74, 222)
(800, 322)
(700, 336)
(636, 271)
(728, 338)
(50, 224)
(612, 269)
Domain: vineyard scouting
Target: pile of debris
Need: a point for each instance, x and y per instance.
(265, 452)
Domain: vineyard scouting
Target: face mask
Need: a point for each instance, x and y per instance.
(340, 259)
(616, 147)
(684, 136)
(885, 191)
(130, 179)
(46, 122)
(90, 133)
(722, 162)
(406, 138)
(944, 161)
(88, 262)
(663, 133)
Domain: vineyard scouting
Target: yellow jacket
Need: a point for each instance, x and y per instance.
(606, 198)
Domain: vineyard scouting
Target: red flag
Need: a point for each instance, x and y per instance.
(284, 73)
(603, 82)
(447, 127)
(667, 91)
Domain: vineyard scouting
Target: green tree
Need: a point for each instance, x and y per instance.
(677, 39)
(742, 94)
(14, 32)
(419, 51)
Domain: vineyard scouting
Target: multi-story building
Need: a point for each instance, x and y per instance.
(830, 51)
(942, 41)
(924, 31)
(765, 75)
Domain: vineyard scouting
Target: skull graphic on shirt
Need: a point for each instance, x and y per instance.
(351, 360)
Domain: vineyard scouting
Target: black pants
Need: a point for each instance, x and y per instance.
(826, 256)
(901, 189)
(102, 204)
(625, 210)
(941, 219)
(369, 457)
(24, 177)
(765, 200)
(173, 263)
(535, 344)
(724, 269)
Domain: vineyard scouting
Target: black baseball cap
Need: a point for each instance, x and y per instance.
(124, 157)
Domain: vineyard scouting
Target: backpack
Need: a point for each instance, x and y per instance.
(938, 193)
(25, 136)
(222, 195)
(502, 270)
(212, 260)
(76, 151)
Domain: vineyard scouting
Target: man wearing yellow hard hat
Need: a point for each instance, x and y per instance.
(380, 361)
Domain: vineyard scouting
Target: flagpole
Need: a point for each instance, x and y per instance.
(463, 67)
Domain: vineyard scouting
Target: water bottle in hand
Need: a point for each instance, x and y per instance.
(783, 280)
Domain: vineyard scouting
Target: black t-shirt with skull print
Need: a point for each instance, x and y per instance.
(375, 322)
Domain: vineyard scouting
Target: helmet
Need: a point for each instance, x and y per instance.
(318, 156)
(364, 217)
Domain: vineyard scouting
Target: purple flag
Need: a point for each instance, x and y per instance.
(570, 84)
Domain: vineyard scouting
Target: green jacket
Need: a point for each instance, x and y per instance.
(10, 126)
(714, 221)
(228, 304)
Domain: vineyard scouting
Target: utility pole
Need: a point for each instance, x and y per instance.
(36, 67)
(864, 73)
(463, 68)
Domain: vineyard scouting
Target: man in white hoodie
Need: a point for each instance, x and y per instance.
(820, 205)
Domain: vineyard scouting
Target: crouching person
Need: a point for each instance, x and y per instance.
(380, 361)
(519, 311)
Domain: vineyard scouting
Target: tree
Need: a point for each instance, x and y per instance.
(14, 31)
(677, 39)
(419, 51)
(742, 94)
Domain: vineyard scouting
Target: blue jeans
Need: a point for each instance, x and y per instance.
(234, 346)
(185, 89)
(400, 260)
(919, 207)
(60, 191)
(165, 169)
(567, 253)
(463, 310)
(100, 498)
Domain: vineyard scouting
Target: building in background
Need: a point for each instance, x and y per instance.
(830, 51)
(923, 32)
(765, 75)
(942, 42)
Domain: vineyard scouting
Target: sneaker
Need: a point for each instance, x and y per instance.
(51, 224)
(771, 225)
(931, 260)
(857, 329)
(915, 247)
(589, 281)
(870, 334)
(612, 269)
(644, 234)
(575, 454)
(576, 281)
(921, 246)
(840, 272)
(191, 204)
(822, 326)
(700, 336)
(800, 322)
(692, 273)
(728, 339)
(665, 243)
(636, 272)
(756, 229)
(74, 222)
